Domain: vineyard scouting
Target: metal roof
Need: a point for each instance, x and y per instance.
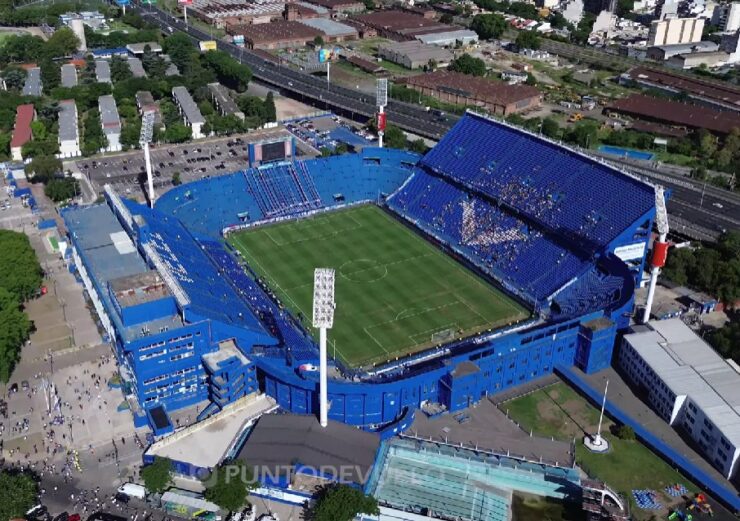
(171, 67)
(136, 67)
(32, 87)
(690, 367)
(443, 38)
(223, 100)
(102, 71)
(329, 27)
(68, 125)
(109, 114)
(138, 48)
(69, 75)
(188, 106)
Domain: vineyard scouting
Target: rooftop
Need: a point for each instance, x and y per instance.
(136, 67)
(223, 100)
(188, 106)
(68, 125)
(689, 366)
(139, 288)
(278, 31)
(22, 131)
(226, 350)
(32, 87)
(494, 92)
(713, 90)
(330, 27)
(138, 48)
(677, 113)
(102, 71)
(403, 22)
(334, 4)
(440, 38)
(418, 51)
(69, 75)
(109, 114)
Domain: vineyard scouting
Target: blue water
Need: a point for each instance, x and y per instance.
(458, 483)
(626, 152)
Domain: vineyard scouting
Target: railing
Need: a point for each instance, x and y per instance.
(172, 283)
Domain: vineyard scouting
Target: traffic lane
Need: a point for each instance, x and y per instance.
(704, 206)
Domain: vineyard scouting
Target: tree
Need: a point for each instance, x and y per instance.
(680, 261)
(176, 181)
(625, 432)
(229, 485)
(43, 168)
(699, 173)
(51, 73)
(531, 80)
(528, 40)
(342, 503)
(228, 71)
(157, 476)
(270, 112)
(61, 189)
(584, 134)
(18, 492)
(551, 128)
(14, 77)
(488, 26)
(318, 41)
(394, 137)
(446, 18)
(62, 43)
(369, 4)
(418, 146)
(38, 130)
(119, 69)
(177, 133)
(466, 64)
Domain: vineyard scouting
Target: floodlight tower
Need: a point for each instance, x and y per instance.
(147, 131)
(323, 319)
(381, 96)
(660, 249)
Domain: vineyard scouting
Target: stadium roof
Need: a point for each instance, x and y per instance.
(136, 67)
(68, 125)
(188, 106)
(102, 71)
(32, 87)
(689, 366)
(330, 27)
(69, 75)
(677, 113)
(22, 131)
(491, 91)
(278, 441)
(715, 91)
(109, 114)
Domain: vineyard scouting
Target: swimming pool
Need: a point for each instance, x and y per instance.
(626, 152)
(458, 483)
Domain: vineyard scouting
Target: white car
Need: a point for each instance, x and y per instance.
(718, 205)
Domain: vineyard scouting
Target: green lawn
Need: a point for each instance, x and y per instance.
(560, 412)
(395, 292)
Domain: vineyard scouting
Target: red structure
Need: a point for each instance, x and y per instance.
(24, 115)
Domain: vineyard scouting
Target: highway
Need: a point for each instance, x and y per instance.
(698, 212)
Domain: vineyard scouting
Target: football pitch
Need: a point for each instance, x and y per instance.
(395, 292)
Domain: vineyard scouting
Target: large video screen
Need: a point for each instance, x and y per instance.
(273, 151)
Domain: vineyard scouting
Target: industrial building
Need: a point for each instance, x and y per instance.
(189, 109)
(675, 30)
(225, 13)
(403, 25)
(414, 54)
(692, 60)
(714, 94)
(661, 53)
(110, 122)
(688, 385)
(32, 86)
(340, 6)
(727, 16)
(331, 30)
(24, 115)
(675, 114)
(69, 75)
(497, 97)
(277, 35)
(136, 67)
(102, 71)
(69, 130)
(223, 101)
(448, 38)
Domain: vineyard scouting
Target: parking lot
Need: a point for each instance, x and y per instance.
(328, 132)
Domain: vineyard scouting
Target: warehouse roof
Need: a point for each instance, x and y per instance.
(136, 67)
(32, 87)
(417, 51)
(109, 114)
(677, 113)
(278, 31)
(69, 75)
(22, 130)
(330, 27)
(447, 37)
(689, 366)
(490, 91)
(68, 126)
(188, 106)
(714, 90)
(680, 48)
(335, 4)
(403, 22)
(102, 71)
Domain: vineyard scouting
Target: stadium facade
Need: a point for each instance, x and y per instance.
(563, 234)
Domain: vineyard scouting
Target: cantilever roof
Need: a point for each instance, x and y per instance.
(188, 106)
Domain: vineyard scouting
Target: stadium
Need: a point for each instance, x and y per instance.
(486, 263)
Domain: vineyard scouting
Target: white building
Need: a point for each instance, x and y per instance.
(689, 385)
(730, 44)
(78, 27)
(190, 112)
(110, 122)
(69, 131)
(675, 30)
(727, 16)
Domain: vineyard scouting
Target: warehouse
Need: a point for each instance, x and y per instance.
(340, 6)
(69, 132)
(402, 25)
(332, 31)
(278, 35)
(69, 75)
(497, 97)
(447, 38)
(225, 105)
(24, 115)
(661, 53)
(32, 87)
(190, 112)
(110, 122)
(223, 14)
(102, 71)
(688, 385)
(414, 54)
(136, 67)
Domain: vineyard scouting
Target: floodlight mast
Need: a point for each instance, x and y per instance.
(323, 319)
(660, 249)
(147, 131)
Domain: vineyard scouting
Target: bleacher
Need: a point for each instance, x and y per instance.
(521, 256)
(562, 191)
(282, 189)
(592, 291)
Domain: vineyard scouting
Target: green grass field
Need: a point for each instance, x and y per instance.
(395, 292)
